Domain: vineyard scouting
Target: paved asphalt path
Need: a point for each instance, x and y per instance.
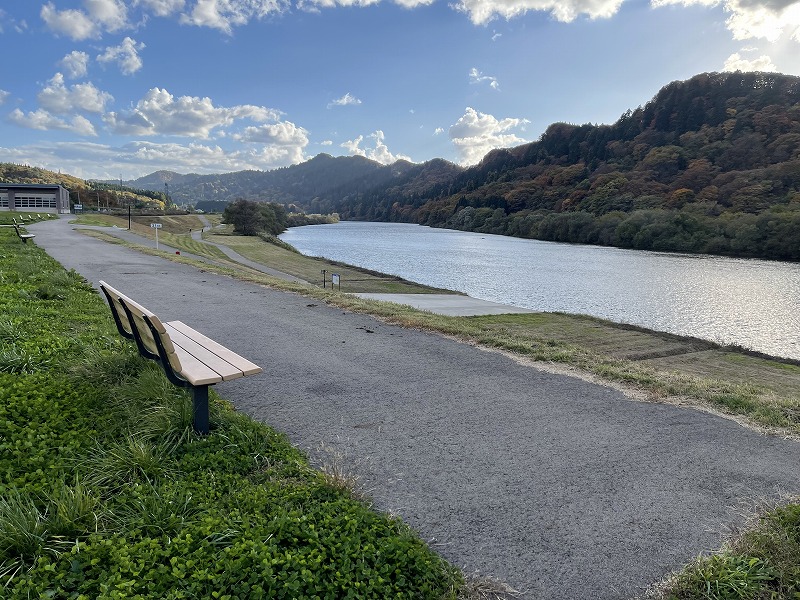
(562, 488)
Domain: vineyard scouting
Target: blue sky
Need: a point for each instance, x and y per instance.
(109, 89)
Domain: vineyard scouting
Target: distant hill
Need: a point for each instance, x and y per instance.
(297, 184)
(91, 193)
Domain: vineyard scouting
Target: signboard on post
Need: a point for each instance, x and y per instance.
(156, 226)
(335, 280)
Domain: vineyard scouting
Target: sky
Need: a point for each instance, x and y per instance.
(113, 89)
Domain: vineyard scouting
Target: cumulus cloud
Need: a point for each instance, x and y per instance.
(161, 8)
(476, 133)
(316, 5)
(767, 19)
(75, 64)
(99, 161)
(97, 17)
(483, 11)
(438, 131)
(126, 55)
(379, 153)
(476, 76)
(4, 95)
(285, 135)
(75, 24)
(326, 143)
(44, 121)
(161, 113)
(736, 62)
(56, 97)
(225, 14)
(346, 100)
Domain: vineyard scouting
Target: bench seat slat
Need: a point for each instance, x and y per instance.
(194, 371)
(205, 355)
(241, 363)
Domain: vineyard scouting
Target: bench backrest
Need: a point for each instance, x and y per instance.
(135, 322)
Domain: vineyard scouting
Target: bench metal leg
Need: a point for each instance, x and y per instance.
(200, 397)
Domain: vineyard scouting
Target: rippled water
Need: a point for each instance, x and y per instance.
(752, 303)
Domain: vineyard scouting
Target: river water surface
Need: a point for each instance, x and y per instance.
(752, 303)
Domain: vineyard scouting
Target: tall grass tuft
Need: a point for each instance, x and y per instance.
(134, 459)
(16, 360)
(156, 511)
(23, 534)
(74, 511)
(23, 528)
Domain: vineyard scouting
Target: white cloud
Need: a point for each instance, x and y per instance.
(483, 11)
(767, 19)
(326, 143)
(225, 14)
(162, 8)
(44, 121)
(112, 15)
(161, 113)
(60, 99)
(316, 5)
(346, 100)
(4, 95)
(736, 62)
(438, 131)
(380, 153)
(285, 135)
(98, 16)
(476, 133)
(476, 76)
(126, 55)
(72, 23)
(99, 161)
(76, 64)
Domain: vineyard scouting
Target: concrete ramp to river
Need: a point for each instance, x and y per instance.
(453, 305)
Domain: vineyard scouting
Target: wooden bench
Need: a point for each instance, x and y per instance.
(189, 358)
(23, 236)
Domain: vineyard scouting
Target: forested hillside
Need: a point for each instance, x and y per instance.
(91, 193)
(709, 165)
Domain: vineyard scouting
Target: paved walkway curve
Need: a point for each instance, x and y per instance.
(563, 488)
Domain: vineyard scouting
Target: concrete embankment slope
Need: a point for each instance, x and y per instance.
(563, 488)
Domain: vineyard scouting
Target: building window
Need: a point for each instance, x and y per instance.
(3, 200)
(35, 201)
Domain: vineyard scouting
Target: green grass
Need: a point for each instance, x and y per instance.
(106, 492)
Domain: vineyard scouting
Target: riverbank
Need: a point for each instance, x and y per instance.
(759, 391)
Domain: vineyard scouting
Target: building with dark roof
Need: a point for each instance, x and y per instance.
(34, 197)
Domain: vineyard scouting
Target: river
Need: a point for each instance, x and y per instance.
(752, 303)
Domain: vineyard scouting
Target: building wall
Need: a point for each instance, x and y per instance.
(45, 199)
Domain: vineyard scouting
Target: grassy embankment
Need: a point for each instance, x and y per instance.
(175, 233)
(656, 366)
(105, 491)
(765, 560)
